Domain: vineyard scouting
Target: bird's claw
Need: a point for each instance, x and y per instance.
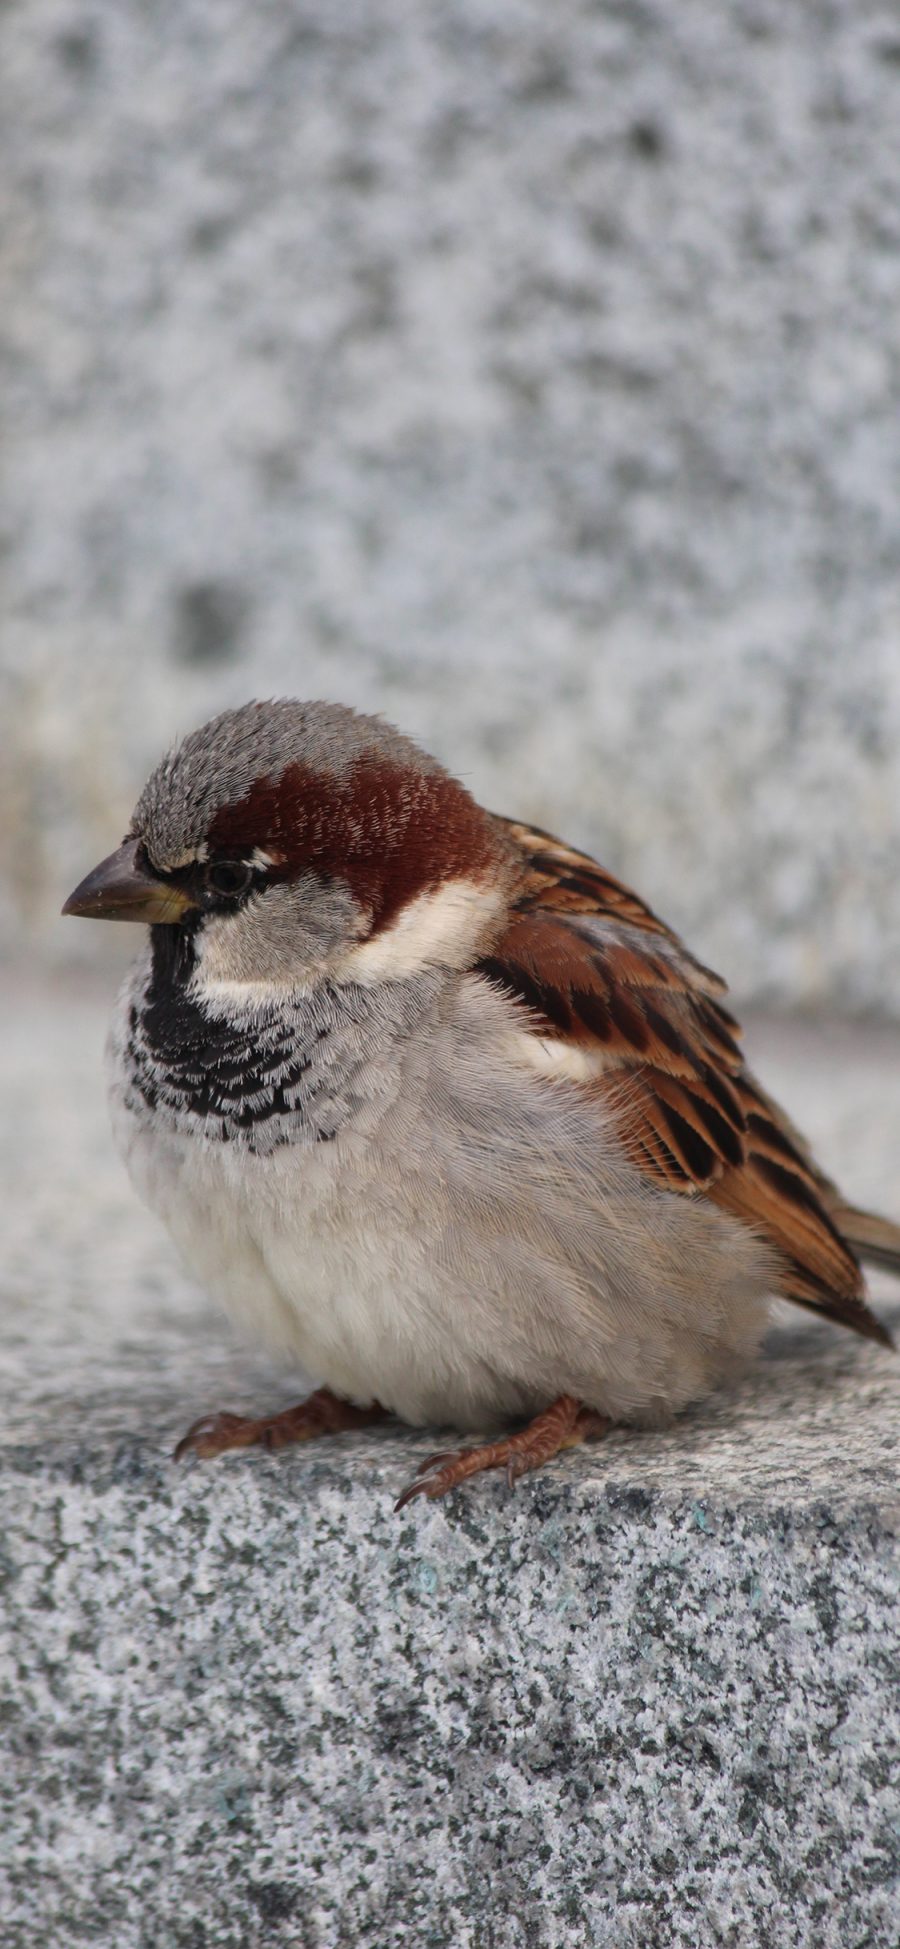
(209, 1435)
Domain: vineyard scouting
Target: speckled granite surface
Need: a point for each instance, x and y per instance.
(648, 1702)
(528, 373)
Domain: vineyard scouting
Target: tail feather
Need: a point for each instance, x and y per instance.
(847, 1309)
(876, 1240)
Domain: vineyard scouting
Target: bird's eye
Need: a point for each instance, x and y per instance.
(228, 877)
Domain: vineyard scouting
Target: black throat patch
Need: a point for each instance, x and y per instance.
(251, 1075)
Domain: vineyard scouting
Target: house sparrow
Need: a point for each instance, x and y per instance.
(440, 1108)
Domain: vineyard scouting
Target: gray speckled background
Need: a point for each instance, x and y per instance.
(530, 375)
(650, 1701)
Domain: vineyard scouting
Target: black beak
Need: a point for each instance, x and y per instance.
(122, 887)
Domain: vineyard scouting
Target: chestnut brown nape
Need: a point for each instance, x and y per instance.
(388, 830)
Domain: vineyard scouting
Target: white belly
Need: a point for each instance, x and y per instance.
(319, 1258)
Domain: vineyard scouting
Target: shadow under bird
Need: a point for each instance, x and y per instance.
(440, 1109)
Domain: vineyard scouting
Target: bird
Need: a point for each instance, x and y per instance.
(440, 1110)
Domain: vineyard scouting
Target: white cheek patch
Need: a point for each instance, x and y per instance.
(228, 972)
(220, 947)
(443, 927)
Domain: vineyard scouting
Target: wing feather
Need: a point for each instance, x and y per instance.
(594, 967)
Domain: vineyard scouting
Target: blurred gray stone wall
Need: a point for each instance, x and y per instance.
(529, 373)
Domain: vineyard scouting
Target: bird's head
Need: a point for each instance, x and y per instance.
(292, 842)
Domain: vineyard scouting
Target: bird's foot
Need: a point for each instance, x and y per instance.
(563, 1425)
(322, 1414)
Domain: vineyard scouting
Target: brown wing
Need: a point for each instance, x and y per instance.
(598, 971)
